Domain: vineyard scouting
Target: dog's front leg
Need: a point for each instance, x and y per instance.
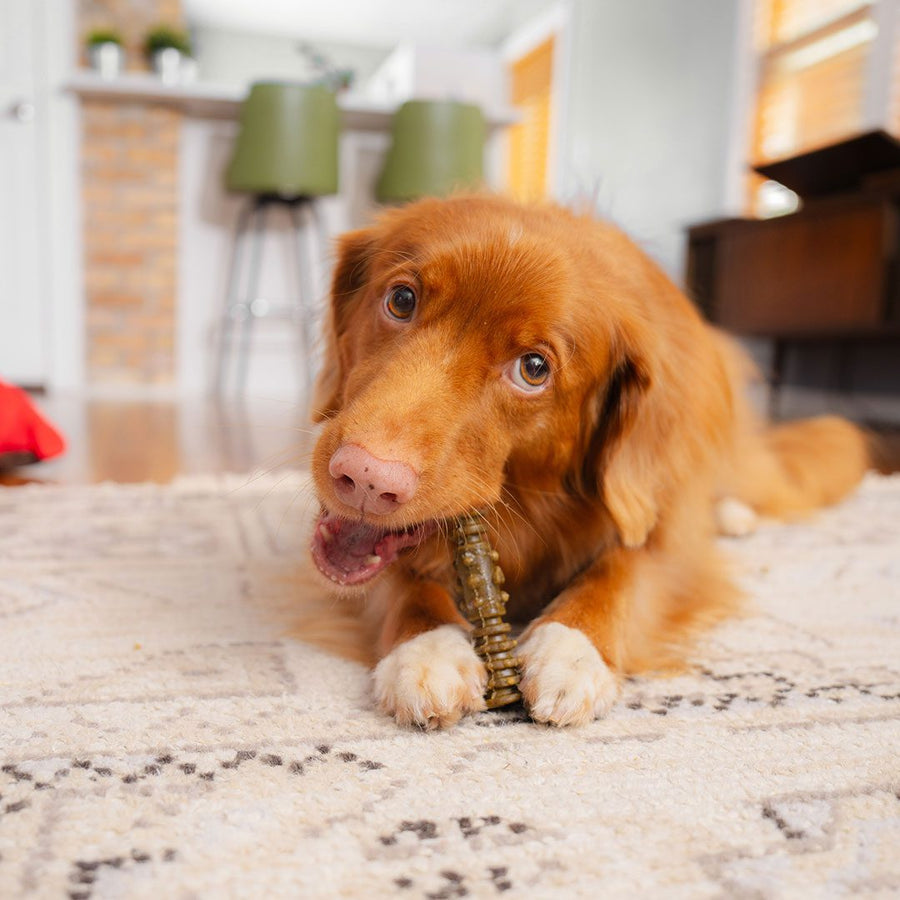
(429, 674)
(568, 653)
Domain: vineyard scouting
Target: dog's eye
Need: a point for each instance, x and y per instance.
(530, 372)
(400, 302)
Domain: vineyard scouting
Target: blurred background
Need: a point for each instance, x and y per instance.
(162, 269)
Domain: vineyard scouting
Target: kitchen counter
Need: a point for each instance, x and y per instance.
(207, 99)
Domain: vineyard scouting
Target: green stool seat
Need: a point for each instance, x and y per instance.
(288, 142)
(437, 147)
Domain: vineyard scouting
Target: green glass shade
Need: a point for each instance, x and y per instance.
(288, 142)
(438, 147)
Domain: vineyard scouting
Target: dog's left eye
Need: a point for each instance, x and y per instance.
(530, 372)
(400, 302)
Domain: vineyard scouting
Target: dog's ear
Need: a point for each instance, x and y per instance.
(617, 466)
(350, 273)
(627, 473)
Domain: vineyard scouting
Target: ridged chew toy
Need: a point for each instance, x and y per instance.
(483, 603)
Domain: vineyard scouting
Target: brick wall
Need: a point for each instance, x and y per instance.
(131, 18)
(130, 214)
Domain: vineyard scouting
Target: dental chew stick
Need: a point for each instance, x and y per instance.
(483, 603)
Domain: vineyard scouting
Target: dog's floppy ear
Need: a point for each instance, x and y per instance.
(350, 273)
(628, 471)
(617, 465)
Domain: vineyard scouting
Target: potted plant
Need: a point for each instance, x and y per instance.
(327, 73)
(169, 52)
(106, 52)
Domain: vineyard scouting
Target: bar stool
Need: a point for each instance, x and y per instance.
(437, 147)
(285, 156)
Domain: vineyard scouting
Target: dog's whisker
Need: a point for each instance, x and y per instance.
(511, 504)
(291, 458)
(308, 500)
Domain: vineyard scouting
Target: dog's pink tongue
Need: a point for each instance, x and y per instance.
(345, 550)
(352, 551)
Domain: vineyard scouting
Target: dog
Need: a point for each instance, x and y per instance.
(537, 366)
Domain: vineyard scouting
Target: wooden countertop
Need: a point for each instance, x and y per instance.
(220, 101)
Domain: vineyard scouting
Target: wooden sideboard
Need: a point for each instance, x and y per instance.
(829, 272)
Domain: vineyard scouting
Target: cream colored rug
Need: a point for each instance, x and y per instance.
(164, 733)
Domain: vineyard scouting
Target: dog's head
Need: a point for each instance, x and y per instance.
(475, 344)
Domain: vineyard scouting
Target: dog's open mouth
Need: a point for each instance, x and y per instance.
(351, 551)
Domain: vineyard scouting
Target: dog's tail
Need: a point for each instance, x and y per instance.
(789, 470)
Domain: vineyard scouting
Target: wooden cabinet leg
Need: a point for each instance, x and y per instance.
(776, 376)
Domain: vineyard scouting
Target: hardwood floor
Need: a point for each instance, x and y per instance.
(134, 440)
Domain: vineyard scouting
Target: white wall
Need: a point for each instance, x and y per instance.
(233, 57)
(61, 162)
(41, 295)
(652, 90)
(435, 72)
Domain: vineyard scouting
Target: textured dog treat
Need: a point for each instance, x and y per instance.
(483, 603)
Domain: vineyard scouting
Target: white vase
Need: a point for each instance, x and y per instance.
(173, 66)
(107, 59)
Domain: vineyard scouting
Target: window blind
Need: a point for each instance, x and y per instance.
(813, 59)
(529, 139)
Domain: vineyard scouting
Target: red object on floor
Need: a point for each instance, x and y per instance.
(23, 429)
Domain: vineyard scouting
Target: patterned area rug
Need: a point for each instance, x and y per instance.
(165, 733)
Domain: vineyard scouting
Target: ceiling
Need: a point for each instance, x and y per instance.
(374, 23)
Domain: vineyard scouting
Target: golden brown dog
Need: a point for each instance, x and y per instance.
(536, 365)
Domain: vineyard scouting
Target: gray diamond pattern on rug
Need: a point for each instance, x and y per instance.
(165, 733)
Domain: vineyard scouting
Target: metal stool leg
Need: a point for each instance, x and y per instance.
(316, 308)
(306, 290)
(305, 304)
(232, 292)
(776, 382)
(259, 224)
(242, 306)
(321, 228)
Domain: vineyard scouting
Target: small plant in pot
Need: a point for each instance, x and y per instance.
(106, 52)
(169, 52)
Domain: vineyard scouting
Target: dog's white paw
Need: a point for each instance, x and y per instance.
(564, 679)
(432, 679)
(734, 518)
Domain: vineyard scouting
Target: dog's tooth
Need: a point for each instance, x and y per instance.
(325, 534)
(373, 560)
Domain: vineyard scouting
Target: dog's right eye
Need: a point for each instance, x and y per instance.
(530, 372)
(400, 302)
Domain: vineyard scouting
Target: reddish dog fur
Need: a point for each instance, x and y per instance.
(600, 488)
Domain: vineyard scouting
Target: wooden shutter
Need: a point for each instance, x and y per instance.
(529, 140)
(810, 106)
(787, 20)
(813, 57)
(894, 115)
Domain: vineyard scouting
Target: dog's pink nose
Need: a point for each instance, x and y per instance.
(370, 484)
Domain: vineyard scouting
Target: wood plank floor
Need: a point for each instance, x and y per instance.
(132, 441)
